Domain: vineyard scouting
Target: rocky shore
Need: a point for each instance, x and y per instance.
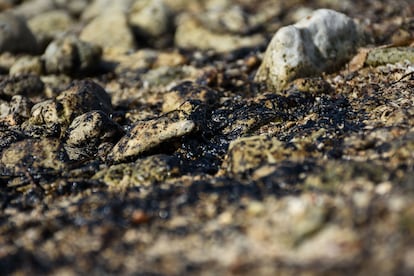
(186, 137)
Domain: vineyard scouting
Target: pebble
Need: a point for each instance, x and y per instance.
(391, 55)
(110, 30)
(88, 131)
(146, 135)
(321, 42)
(152, 20)
(27, 85)
(91, 127)
(28, 9)
(191, 34)
(15, 35)
(145, 171)
(69, 55)
(38, 156)
(32, 65)
(48, 25)
(55, 115)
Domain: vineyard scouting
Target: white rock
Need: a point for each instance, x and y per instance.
(321, 42)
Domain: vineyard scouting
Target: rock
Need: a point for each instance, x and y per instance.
(152, 20)
(188, 91)
(84, 96)
(231, 19)
(53, 116)
(27, 65)
(110, 30)
(143, 172)
(15, 35)
(27, 85)
(48, 25)
(37, 156)
(248, 153)
(191, 34)
(382, 56)
(74, 7)
(16, 111)
(98, 7)
(34, 7)
(146, 135)
(88, 131)
(322, 42)
(20, 106)
(69, 55)
(91, 127)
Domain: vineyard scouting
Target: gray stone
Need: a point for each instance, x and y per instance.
(48, 25)
(15, 36)
(69, 55)
(322, 42)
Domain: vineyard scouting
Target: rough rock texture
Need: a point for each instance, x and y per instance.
(165, 160)
(321, 42)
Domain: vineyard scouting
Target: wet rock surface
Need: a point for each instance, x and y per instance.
(160, 151)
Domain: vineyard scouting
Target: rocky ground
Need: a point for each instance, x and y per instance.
(171, 137)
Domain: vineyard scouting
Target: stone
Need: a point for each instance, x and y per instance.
(146, 171)
(186, 91)
(98, 7)
(15, 35)
(146, 135)
(110, 30)
(91, 127)
(88, 131)
(53, 116)
(249, 153)
(152, 20)
(391, 55)
(27, 85)
(69, 55)
(48, 25)
(28, 9)
(321, 42)
(27, 65)
(36, 156)
(191, 34)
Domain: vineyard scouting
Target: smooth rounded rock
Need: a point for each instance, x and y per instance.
(110, 30)
(191, 34)
(152, 20)
(15, 35)
(69, 55)
(48, 25)
(321, 42)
